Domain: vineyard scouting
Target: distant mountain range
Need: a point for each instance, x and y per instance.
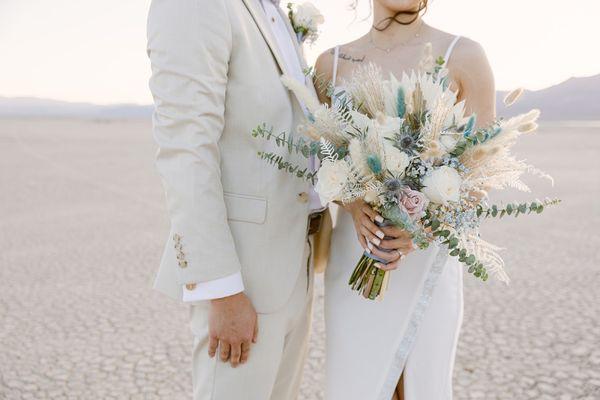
(25, 107)
(573, 99)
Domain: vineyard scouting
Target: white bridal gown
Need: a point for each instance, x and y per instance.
(414, 329)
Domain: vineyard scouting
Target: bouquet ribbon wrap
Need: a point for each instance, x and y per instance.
(366, 277)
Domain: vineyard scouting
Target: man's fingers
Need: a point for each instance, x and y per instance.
(245, 352)
(213, 344)
(255, 335)
(224, 350)
(236, 353)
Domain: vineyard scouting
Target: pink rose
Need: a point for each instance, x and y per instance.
(413, 201)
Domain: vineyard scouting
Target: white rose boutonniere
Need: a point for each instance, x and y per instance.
(305, 19)
(442, 185)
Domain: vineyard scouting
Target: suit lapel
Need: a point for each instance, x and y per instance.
(299, 52)
(258, 14)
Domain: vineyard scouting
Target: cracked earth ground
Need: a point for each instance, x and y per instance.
(81, 230)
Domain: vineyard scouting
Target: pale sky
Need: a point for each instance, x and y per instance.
(94, 50)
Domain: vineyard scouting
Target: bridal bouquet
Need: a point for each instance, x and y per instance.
(408, 149)
(305, 19)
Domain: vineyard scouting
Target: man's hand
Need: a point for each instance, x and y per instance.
(232, 327)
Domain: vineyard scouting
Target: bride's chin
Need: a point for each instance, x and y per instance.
(400, 5)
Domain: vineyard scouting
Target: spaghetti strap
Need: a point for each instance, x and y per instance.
(450, 48)
(336, 55)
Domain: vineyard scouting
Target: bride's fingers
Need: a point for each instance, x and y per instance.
(373, 215)
(371, 238)
(403, 244)
(387, 256)
(389, 266)
(373, 229)
(395, 232)
(363, 242)
(369, 247)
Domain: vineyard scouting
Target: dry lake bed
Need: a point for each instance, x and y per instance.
(82, 224)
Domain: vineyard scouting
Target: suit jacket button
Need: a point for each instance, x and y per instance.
(190, 286)
(303, 197)
(183, 264)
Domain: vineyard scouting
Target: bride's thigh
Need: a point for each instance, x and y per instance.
(429, 367)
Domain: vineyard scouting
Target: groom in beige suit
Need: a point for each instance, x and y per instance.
(239, 249)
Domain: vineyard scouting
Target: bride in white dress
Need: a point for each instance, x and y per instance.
(404, 346)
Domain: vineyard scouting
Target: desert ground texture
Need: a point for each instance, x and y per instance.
(83, 222)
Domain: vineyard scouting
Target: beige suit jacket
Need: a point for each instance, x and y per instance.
(216, 76)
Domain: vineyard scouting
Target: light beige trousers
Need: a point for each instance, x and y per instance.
(274, 369)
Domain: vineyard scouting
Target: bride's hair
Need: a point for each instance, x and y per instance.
(386, 22)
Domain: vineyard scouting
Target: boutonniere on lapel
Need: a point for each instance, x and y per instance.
(305, 19)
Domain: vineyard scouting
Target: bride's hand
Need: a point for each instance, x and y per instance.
(370, 235)
(364, 216)
(398, 240)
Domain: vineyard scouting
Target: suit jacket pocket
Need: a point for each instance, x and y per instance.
(245, 208)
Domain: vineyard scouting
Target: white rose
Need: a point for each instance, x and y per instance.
(395, 159)
(331, 178)
(308, 16)
(442, 185)
(388, 126)
(449, 140)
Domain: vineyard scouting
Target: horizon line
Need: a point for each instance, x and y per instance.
(137, 104)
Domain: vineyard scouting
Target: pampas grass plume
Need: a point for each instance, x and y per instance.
(528, 127)
(512, 97)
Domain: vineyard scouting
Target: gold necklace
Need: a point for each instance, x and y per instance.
(388, 50)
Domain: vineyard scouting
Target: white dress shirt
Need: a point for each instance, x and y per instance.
(234, 284)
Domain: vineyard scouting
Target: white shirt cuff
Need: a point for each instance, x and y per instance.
(215, 289)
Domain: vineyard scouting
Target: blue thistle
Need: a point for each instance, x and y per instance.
(374, 163)
(393, 185)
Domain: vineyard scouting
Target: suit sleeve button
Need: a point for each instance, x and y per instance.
(190, 286)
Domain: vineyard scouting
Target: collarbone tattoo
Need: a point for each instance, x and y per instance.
(348, 57)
